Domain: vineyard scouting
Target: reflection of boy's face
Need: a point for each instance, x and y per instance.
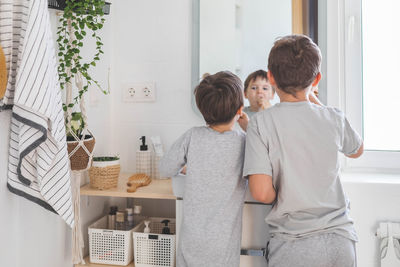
(258, 92)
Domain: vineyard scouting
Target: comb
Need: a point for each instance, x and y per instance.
(137, 180)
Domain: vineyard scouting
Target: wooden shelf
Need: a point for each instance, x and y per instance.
(88, 264)
(157, 189)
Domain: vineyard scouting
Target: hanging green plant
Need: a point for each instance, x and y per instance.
(79, 19)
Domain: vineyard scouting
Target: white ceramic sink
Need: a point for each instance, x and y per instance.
(178, 185)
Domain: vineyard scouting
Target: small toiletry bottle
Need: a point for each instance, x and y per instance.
(137, 217)
(147, 228)
(156, 156)
(143, 158)
(120, 221)
(166, 230)
(111, 217)
(129, 218)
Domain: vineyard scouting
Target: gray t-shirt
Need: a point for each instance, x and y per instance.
(249, 112)
(298, 144)
(213, 196)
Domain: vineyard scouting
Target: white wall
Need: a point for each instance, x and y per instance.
(263, 22)
(217, 49)
(374, 198)
(151, 42)
(9, 204)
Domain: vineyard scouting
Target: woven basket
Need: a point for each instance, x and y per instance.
(105, 177)
(80, 159)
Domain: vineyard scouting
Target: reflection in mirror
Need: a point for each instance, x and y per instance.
(236, 35)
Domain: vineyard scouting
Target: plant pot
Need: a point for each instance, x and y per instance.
(104, 174)
(80, 159)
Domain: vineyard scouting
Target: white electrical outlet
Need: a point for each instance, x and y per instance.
(139, 92)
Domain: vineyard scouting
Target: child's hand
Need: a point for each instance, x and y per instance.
(243, 121)
(313, 97)
(263, 102)
(183, 171)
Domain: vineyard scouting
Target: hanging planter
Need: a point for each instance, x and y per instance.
(104, 172)
(81, 20)
(79, 147)
(80, 159)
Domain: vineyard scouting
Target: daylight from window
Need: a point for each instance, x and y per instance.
(381, 74)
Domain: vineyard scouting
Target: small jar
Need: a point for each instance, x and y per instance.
(120, 221)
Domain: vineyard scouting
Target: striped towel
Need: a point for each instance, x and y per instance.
(38, 166)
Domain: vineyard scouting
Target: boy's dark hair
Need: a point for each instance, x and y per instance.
(294, 61)
(219, 97)
(253, 76)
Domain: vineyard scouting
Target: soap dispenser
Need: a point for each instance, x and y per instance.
(143, 158)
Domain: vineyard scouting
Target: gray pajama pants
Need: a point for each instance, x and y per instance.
(323, 250)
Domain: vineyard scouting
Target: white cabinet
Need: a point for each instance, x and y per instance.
(254, 233)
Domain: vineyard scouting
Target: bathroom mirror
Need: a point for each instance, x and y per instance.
(237, 35)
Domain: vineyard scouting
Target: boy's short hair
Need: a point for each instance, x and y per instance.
(294, 61)
(219, 97)
(253, 76)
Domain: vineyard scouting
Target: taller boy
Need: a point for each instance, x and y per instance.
(292, 161)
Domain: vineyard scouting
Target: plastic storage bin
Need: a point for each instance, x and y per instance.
(109, 246)
(154, 249)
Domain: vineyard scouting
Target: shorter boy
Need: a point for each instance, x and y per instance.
(258, 91)
(214, 187)
(292, 161)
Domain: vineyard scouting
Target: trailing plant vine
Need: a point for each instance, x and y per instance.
(79, 17)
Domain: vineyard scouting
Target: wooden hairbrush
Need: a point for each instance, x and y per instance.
(137, 180)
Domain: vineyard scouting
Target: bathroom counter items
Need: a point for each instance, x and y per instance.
(157, 189)
(88, 264)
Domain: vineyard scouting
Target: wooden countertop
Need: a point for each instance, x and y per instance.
(157, 189)
(88, 264)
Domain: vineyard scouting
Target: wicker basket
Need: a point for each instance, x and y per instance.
(104, 175)
(80, 159)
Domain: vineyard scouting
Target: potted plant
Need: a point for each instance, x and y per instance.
(80, 158)
(104, 172)
(81, 20)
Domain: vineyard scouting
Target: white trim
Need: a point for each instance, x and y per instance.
(376, 160)
(334, 64)
(344, 79)
(103, 164)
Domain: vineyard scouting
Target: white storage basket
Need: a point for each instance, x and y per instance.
(109, 246)
(154, 249)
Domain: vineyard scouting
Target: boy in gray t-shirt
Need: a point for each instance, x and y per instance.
(214, 186)
(292, 161)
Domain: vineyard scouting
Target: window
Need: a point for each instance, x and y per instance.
(364, 35)
(380, 70)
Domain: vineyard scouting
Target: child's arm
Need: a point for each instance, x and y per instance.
(257, 164)
(357, 154)
(352, 144)
(261, 188)
(175, 159)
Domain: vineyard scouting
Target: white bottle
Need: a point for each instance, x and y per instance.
(147, 228)
(157, 155)
(129, 218)
(137, 217)
(143, 158)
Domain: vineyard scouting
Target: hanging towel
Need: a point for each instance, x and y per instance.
(38, 168)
